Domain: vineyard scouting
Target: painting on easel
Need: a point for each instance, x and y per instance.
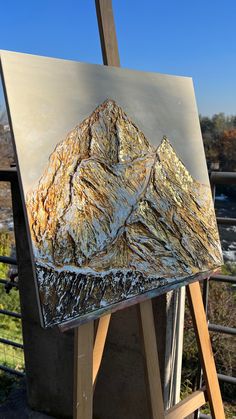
(115, 183)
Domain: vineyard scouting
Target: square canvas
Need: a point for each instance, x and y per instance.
(114, 182)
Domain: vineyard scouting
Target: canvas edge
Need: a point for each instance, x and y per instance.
(98, 65)
(32, 258)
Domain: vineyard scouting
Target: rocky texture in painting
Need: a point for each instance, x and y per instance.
(113, 217)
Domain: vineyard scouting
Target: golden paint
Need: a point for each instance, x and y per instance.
(109, 201)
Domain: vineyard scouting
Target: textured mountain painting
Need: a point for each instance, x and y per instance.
(113, 217)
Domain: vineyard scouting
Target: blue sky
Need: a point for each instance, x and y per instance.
(192, 38)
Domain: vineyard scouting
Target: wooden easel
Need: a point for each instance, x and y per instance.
(89, 350)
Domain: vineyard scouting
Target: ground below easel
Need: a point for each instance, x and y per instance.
(15, 406)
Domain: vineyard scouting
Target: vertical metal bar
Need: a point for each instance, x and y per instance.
(213, 191)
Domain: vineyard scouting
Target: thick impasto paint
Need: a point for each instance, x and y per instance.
(113, 216)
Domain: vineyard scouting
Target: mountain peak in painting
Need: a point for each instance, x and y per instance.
(112, 209)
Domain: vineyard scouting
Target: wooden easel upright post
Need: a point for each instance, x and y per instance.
(89, 351)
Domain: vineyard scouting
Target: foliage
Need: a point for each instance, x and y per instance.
(5, 250)
(10, 327)
(186, 389)
(229, 408)
(221, 310)
(219, 137)
(229, 268)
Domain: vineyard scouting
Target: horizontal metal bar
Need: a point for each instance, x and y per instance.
(202, 416)
(8, 174)
(12, 371)
(7, 282)
(224, 278)
(223, 178)
(222, 329)
(227, 378)
(225, 220)
(11, 313)
(8, 260)
(11, 343)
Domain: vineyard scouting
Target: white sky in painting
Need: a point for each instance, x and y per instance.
(48, 97)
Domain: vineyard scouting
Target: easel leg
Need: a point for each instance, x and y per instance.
(99, 344)
(152, 362)
(83, 371)
(205, 350)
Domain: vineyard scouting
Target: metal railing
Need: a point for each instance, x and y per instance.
(219, 178)
(9, 175)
